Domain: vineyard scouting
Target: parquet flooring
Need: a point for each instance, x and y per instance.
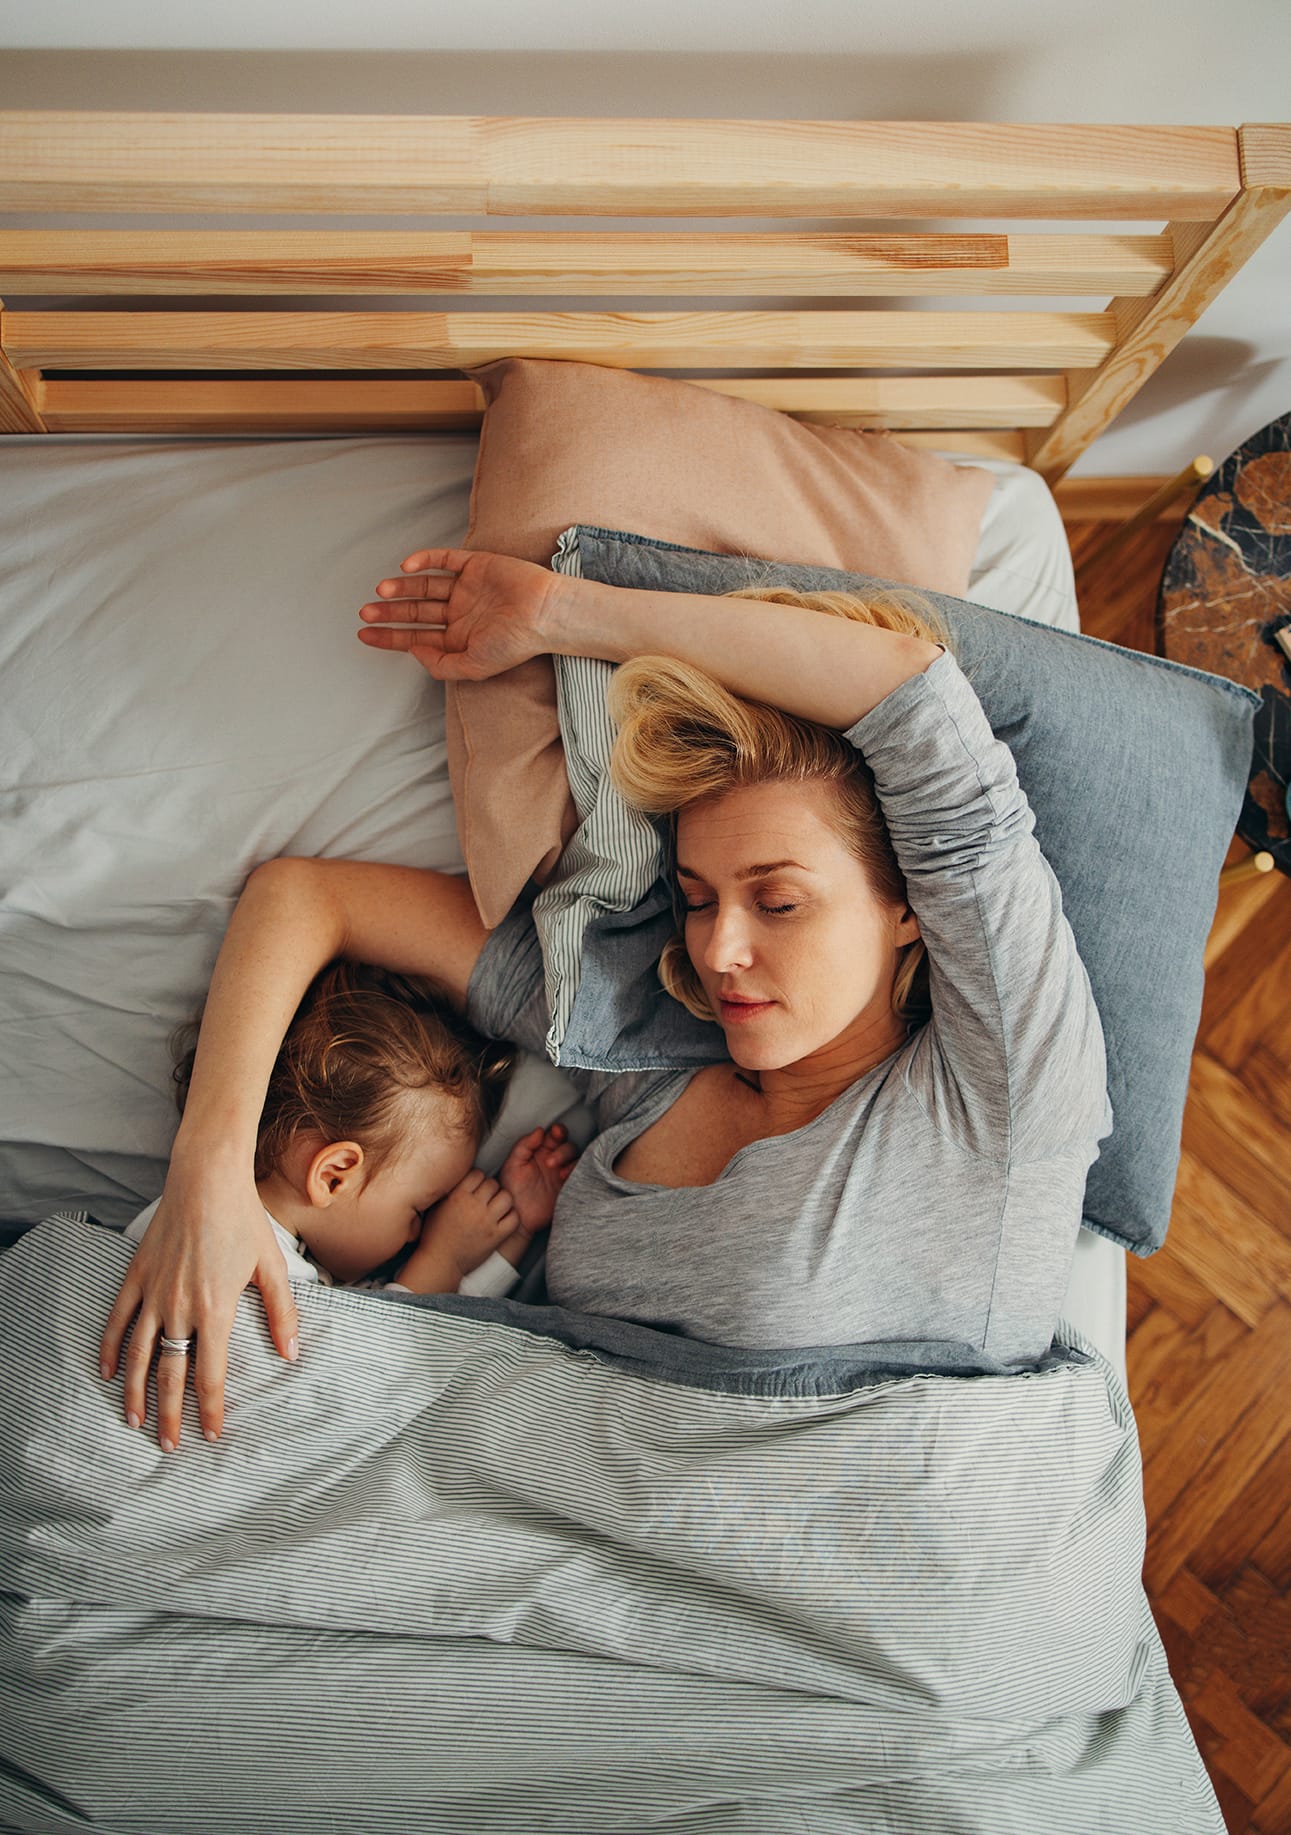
(1210, 1316)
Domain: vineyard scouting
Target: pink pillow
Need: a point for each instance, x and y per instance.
(566, 443)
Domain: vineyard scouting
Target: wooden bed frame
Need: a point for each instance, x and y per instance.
(117, 331)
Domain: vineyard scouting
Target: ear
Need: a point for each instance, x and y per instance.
(335, 1171)
(906, 929)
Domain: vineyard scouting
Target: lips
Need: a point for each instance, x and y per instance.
(736, 1008)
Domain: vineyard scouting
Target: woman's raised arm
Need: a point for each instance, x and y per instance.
(477, 614)
(210, 1238)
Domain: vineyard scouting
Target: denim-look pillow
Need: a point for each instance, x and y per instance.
(1135, 769)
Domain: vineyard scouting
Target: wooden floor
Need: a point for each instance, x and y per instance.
(1210, 1317)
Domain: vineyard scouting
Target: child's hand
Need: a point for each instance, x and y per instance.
(459, 1233)
(534, 1171)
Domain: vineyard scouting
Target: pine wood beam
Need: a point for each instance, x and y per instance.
(632, 340)
(19, 394)
(270, 262)
(1147, 331)
(940, 411)
(109, 161)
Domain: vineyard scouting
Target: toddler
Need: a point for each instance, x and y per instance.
(376, 1107)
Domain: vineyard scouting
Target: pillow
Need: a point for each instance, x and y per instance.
(1135, 769)
(573, 442)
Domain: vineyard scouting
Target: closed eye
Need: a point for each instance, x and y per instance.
(766, 910)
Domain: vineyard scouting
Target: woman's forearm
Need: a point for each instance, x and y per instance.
(284, 929)
(293, 918)
(826, 669)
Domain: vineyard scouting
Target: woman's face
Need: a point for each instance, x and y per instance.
(793, 948)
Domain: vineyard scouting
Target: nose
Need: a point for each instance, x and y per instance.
(729, 944)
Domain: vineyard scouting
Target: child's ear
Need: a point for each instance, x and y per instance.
(335, 1171)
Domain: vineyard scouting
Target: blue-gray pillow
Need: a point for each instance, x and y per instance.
(1135, 768)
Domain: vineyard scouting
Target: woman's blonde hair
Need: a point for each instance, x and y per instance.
(683, 738)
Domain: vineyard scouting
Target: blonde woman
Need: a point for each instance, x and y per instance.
(896, 1147)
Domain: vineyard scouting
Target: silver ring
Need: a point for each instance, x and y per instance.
(175, 1347)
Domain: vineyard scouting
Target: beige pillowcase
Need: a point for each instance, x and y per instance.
(566, 443)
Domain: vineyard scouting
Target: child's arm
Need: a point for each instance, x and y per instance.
(483, 1217)
(534, 1172)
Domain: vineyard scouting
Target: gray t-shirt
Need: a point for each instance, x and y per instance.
(937, 1198)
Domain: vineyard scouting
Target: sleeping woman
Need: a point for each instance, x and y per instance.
(895, 1148)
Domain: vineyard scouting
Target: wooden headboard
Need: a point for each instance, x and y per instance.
(153, 328)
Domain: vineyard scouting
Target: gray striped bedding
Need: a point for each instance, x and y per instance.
(474, 1566)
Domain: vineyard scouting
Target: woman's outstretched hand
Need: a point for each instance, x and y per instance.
(476, 614)
(203, 1246)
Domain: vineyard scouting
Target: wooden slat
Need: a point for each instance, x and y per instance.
(268, 262)
(1148, 330)
(1111, 499)
(632, 340)
(1010, 446)
(108, 161)
(207, 405)
(18, 412)
(266, 405)
(922, 402)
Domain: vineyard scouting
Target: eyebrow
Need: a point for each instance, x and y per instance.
(762, 871)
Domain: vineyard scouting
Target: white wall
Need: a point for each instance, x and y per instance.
(1193, 61)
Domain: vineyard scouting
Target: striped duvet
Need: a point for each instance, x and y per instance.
(472, 1566)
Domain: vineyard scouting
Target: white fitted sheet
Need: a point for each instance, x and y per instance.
(184, 698)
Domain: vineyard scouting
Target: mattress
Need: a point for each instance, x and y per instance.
(184, 698)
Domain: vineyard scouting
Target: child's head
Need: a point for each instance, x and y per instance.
(376, 1106)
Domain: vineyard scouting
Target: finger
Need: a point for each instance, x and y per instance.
(487, 1188)
(445, 666)
(210, 1371)
(409, 633)
(473, 1180)
(501, 1209)
(124, 1308)
(394, 597)
(434, 588)
(172, 1377)
(564, 1155)
(139, 1355)
(454, 559)
(280, 1308)
(557, 1131)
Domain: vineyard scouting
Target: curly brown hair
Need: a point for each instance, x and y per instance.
(363, 1045)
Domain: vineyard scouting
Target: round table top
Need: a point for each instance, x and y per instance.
(1226, 589)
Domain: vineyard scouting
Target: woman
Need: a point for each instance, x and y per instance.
(853, 1171)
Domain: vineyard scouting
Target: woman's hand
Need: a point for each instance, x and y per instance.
(207, 1241)
(476, 614)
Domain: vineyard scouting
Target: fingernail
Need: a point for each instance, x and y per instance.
(105, 1371)
(209, 1433)
(293, 1347)
(132, 1419)
(167, 1446)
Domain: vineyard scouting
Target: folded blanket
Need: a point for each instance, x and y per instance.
(472, 1565)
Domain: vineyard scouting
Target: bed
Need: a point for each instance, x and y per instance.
(213, 457)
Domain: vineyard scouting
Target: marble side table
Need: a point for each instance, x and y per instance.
(1225, 597)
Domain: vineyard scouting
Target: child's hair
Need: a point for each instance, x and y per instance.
(683, 738)
(362, 1046)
